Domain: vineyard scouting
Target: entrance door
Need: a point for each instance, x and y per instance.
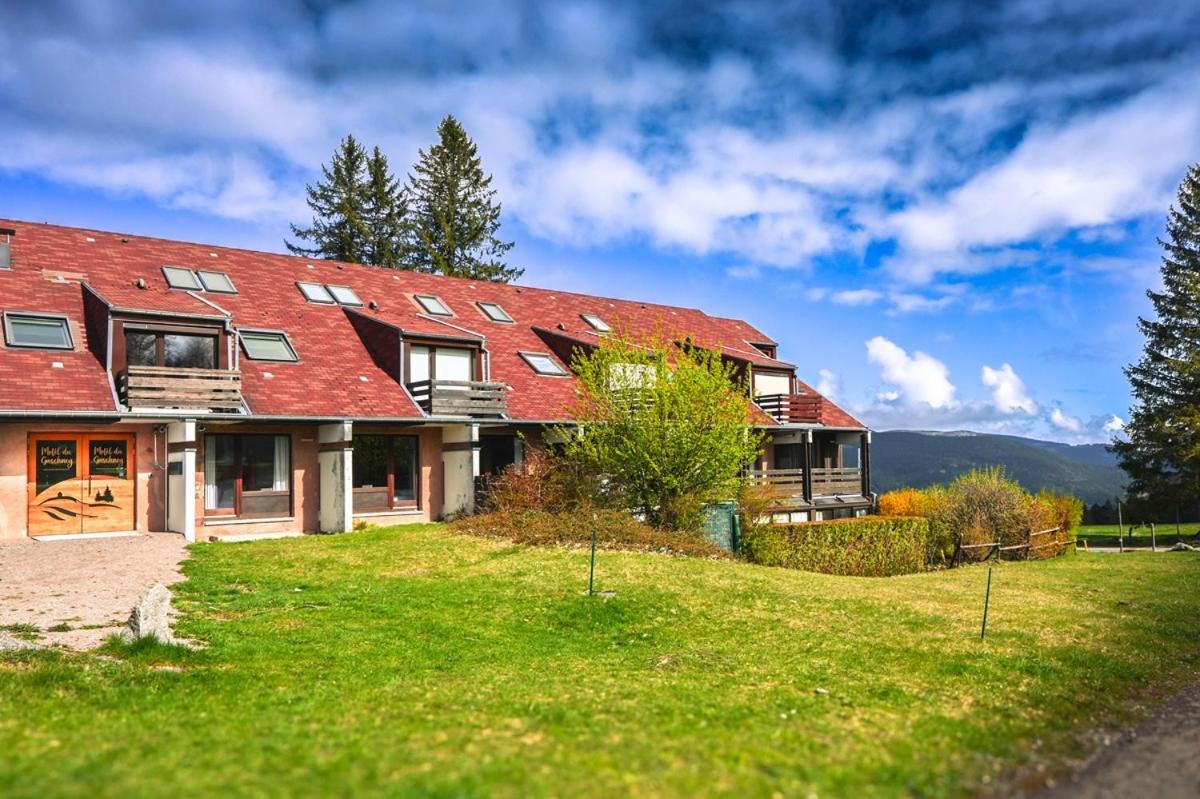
(80, 483)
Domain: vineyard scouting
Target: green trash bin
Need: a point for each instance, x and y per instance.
(722, 525)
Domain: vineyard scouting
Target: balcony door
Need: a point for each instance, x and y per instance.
(441, 363)
(81, 483)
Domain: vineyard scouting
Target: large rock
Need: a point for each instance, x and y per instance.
(11, 643)
(151, 617)
(1182, 547)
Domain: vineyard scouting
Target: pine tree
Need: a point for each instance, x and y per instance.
(1162, 453)
(453, 214)
(339, 228)
(384, 209)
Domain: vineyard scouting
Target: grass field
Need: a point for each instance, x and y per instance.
(414, 662)
(1107, 535)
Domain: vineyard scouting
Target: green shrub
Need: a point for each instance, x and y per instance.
(615, 529)
(875, 546)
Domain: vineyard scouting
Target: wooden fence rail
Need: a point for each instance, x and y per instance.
(999, 546)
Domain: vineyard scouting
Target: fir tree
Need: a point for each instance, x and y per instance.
(453, 214)
(1162, 453)
(384, 209)
(339, 228)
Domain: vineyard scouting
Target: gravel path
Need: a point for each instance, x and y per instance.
(1160, 759)
(89, 586)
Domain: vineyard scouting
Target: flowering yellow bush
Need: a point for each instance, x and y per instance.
(902, 502)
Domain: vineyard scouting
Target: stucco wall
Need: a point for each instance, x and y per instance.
(149, 487)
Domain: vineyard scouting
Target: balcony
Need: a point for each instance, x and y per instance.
(165, 387)
(788, 485)
(792, 408)
(473, 398)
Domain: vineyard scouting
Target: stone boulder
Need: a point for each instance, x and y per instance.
(1182, 547)
(151, 617)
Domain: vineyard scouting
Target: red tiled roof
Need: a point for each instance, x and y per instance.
(336, 376)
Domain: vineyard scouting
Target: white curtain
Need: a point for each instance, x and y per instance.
(282, 465)
(210, 473)
(418, 364)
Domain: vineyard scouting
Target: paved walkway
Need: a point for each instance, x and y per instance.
(1160, 759)
(89, 585)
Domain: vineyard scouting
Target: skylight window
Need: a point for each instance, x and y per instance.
(596, 322)
(180, 278)
(543, 364)
(494, 312)
(433, 305)
(39, 331)
(344, 295)
(217, 281)
(315, 292)
(267, 345)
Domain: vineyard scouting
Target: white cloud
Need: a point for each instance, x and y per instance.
(1114, 424)
(856, 297)
(829, 385)
(920, 378)
(1008, 390)
(905, 302)
(1064, 422)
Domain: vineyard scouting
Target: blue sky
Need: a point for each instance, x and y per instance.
(945, 212)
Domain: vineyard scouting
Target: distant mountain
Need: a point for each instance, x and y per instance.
(918, 459)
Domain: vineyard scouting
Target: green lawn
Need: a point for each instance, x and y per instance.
(410, 661)
(1107, 535)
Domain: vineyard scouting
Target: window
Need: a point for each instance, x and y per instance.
(440, 363)
(47, 332)
(543, 364)
(769, 383)
(267, 345)
(180, 278)
(176, 350)
(315, 292)
(494, 312)
(6, 235)
(631, 376)
(385, 473)
(596, 322)
(217, 281)
(344, 295)
(433, 305)
(247, 475)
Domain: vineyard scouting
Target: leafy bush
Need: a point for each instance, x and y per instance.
(615, 529)
(902, 502)
(875, 546)
(544, 482)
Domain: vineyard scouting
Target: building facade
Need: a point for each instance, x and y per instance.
(153, 385)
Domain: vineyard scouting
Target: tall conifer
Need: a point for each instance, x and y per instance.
(339, 229)
(453, 215)
(1162, 452)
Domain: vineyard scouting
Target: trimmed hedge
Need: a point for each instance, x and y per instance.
(873, 546)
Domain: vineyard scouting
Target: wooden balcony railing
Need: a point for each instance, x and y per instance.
(460, 397)
(787, 485)
(828, 482)
(213, 390)
(791, 408)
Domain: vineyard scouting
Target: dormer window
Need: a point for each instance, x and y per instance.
(543, 364)
(218, 282)
(596, 323)
(315, 292)
(37, 331)
(494, 312)
(267, 345)
(180, 278)
(433, 305)
(344, 295)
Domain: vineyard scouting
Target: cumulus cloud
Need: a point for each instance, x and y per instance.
(1008, 390)
(919, 378)
(1113, 424)
(1062, 421)
(829, 385)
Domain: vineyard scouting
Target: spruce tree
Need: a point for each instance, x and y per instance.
(384, 208)
(1162, 452)
(453, 216)
(339, 229)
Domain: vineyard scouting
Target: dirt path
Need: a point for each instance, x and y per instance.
(77, 593)
(1159, 759)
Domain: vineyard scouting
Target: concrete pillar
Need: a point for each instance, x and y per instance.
(460, 467)
(181, 478)
(335, 463)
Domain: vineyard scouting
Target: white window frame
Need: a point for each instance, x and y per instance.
(283, 336)
(53, 317)
(596, 323)
(529, 356)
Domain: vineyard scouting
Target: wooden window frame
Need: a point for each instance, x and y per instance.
(393, 505)
(160, 343)
(238, 482)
